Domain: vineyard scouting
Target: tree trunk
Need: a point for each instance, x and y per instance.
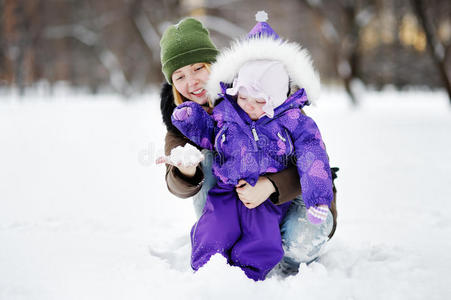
(433, 44)
(2, 44)
(344, 45)
(19, 62)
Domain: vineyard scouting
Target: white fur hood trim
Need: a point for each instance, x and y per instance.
(296, 60)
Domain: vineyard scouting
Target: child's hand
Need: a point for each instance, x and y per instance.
(253, 196)
(317, 214)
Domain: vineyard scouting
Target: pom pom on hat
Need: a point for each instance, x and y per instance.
(262, 28)
(261, 16)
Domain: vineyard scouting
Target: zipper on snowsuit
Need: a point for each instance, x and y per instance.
(254, 132)
(290, 142)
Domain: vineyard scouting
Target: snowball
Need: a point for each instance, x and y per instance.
(187, 155)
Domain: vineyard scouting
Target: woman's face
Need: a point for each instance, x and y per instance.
(190, 81)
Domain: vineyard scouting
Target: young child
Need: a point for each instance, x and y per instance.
(255, 130)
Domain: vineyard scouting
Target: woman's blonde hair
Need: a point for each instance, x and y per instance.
(179, 99)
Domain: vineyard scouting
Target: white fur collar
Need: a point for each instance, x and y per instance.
(297, 61)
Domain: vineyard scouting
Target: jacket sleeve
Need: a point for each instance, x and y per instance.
(286, 182)
(178, 184)
(195, 123)
(312, 163)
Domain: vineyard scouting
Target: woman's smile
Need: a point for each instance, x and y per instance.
(198, 92)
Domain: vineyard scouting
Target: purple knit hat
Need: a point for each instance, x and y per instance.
(262, 28)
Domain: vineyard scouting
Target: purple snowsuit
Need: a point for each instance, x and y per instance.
(246, 149)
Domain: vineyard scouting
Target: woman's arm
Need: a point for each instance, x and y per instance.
(286, 183)
(280, 187)
(179, 184)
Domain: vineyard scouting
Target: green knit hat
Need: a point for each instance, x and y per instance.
(185, 43)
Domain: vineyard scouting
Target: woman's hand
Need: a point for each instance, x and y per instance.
(186, 170)
(184, 158)
(253, 196)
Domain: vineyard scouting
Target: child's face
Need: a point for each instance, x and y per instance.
(252, 106)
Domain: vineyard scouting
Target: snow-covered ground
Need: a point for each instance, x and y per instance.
(85, 214)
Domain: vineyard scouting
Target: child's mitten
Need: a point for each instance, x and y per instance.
(183, 113)
(317, 214)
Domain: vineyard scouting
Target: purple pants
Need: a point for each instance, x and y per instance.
(248, 238)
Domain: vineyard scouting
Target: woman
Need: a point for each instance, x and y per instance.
(186, 53)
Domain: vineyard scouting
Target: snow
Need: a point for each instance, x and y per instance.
(85, 213)
(187, 155)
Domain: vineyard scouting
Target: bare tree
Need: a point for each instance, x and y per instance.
(2, 44)
(437, 50)
(20, 31)
(114, 44)
(146, 18)
(18, 41)
(341, 34)
(88, 31)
